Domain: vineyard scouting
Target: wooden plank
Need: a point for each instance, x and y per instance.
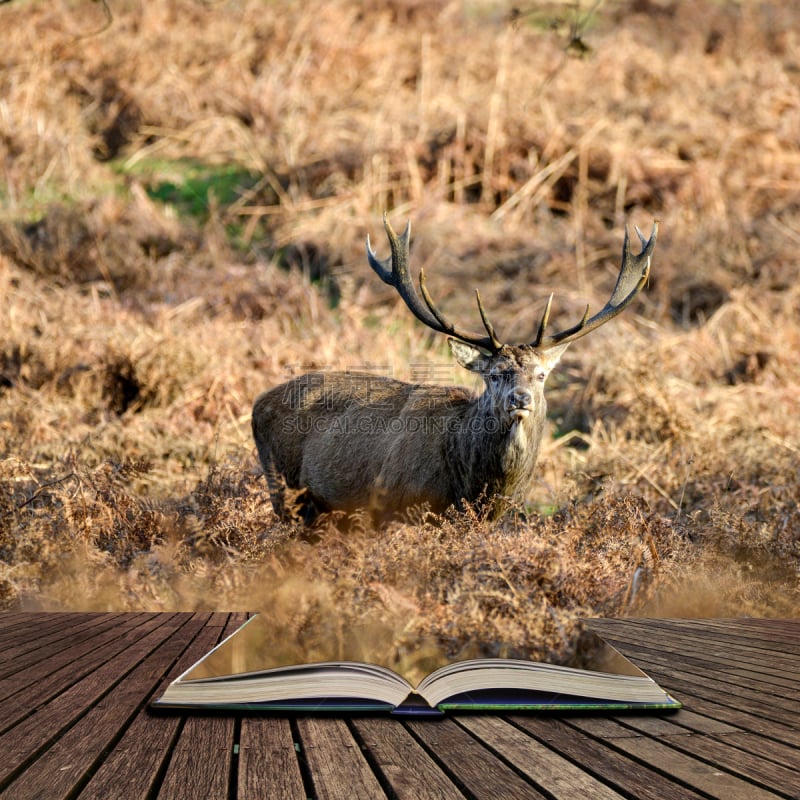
(222, 619)
(28, 623)
(268, 764)
(769, 679)
(17, 706)
(11, 621)
(596, 757)
(745, 703)
(67, 762)
(552, 772)
(708, 650)
(709, 703)
(708, 639)
(478, 770)
(693, 722)
(735, 716)
(763, 708)
(201, 763)
(8, 618)
(335, 762)
(745, 700)
(770, 656)
(406, 767)
(90, 645)
(756, 633)
(769, 749)
(753, 682)
(787, 624)
(133, 769)
(711, 642)
(722, 752)
(687, 769)
(20, 629)
(201, 760)
(35, 646)
(100, 742)
(107, 692)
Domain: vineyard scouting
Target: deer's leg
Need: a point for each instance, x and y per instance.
(290, 504)
(277, 488)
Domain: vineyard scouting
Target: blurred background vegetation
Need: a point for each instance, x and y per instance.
(186, 190)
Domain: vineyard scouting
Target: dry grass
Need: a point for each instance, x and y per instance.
(185, 199)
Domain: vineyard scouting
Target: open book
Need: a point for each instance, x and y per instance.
(242, 673)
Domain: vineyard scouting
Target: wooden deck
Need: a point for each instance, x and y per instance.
(74, 723)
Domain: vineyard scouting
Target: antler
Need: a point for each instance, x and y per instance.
(632, 277)
(394, 271)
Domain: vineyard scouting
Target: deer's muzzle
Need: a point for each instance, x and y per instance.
(519, 403)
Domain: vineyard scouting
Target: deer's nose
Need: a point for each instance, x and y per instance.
(519, 403)
(519, 398)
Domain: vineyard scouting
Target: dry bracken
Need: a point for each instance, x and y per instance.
(184, 202)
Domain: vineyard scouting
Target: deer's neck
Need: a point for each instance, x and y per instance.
(490, 456)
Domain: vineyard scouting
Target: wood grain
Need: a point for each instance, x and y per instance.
(75, 722)
(268, 765)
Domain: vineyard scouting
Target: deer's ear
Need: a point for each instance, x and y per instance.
(552, 355)
(469, 356)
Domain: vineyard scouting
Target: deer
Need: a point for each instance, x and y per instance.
(351, 441)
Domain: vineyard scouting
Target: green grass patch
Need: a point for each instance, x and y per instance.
(194, 189)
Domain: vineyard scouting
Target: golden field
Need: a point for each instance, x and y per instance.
(186, 193)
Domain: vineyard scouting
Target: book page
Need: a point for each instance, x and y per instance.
(260, 666)
(259, 646)
(597, 670)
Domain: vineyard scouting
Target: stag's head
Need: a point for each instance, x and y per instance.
(514, 378)
(514, 373)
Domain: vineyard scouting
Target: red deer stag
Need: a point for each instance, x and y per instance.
(347, 441)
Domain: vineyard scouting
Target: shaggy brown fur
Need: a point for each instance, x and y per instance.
(355, 440)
